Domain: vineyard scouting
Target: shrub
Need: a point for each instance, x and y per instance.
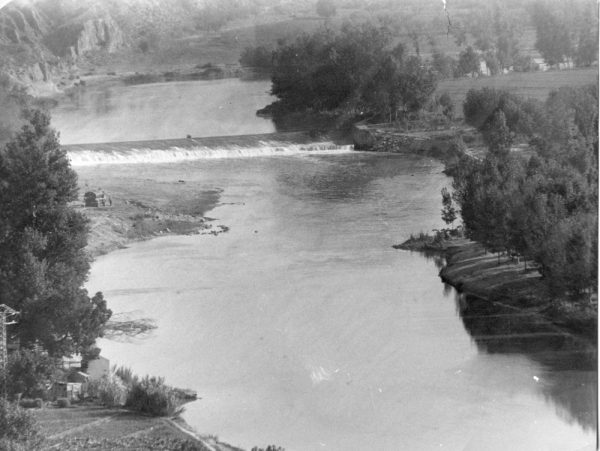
(151, 395)
(63, 402)
(126, 375)
(110, 390)
(30, 372)
(18, 428)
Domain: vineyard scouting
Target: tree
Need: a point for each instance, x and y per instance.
(497, 134)
(30, 372)
(444, 65)
(553, 40)
(258, 57)
(353, 70)
(544, 207)
(449, 213)
(468, 62)
(42, 241)
(447, 105)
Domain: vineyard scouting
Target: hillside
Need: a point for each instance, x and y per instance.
(51, 45)
(46, 42)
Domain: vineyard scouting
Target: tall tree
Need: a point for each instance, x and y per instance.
(468, 62)
(42, 240)
(553, 40)
(497, 134)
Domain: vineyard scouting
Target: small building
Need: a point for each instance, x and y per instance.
(96, 199)
(71, 362)
(73, 391)
(98, 368)
(568, 64)
(484, 69)
(541, 64)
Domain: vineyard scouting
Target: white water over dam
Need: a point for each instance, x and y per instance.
(178, 150)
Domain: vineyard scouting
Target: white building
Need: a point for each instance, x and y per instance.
(98, 368)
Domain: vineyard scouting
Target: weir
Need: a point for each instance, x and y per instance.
(174, 150)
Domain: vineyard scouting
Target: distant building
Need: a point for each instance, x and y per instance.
(71, 362)
(484, 69)
(70, 390)
(541, 64)
(568, 64)
(98, 368)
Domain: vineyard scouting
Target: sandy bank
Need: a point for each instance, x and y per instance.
(473, 271)
(143, 208)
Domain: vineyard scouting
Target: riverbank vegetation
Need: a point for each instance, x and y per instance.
(42, 241)
(355, 74)
(541, 205)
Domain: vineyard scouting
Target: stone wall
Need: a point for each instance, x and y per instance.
(387, 139)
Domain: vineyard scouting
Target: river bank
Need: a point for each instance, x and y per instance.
(507, 281)
(96, 427)
(129, 220)
(136, 208)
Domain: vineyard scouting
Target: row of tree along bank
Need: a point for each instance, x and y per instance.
(531, 217)
(539, 203)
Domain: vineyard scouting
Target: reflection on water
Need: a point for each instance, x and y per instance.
(569, 363)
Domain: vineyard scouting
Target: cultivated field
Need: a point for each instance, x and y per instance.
(527, 84)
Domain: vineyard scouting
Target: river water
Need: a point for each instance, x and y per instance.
(301, 326)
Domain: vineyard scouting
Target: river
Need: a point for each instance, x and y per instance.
(301, 326)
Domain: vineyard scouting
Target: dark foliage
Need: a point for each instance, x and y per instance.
(30, 372)
(42, 240)
(468, 62)
(257, 57)
(18, 428)
(354, 71)
(544, 207)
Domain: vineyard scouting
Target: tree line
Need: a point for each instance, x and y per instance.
(542, 205)
(357, 71)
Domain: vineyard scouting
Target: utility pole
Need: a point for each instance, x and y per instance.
(5, 313)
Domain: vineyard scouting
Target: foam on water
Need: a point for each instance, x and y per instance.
(174, 154)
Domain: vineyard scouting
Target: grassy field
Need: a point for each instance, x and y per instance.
(99, 428)
(527, 84)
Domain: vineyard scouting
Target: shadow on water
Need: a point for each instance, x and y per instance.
(569, 362)
(348, 177)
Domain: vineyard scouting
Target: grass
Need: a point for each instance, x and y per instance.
(95, 427)
(474, 271)
(528, 84)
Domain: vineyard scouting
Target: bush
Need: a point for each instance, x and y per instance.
(30, 372)
(18, 428)
(259, 57)
(126, 375)
(63, 402)
(151, 395)
(110, 390)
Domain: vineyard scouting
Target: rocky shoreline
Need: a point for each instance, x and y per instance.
(126, 222)
(500, 279)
